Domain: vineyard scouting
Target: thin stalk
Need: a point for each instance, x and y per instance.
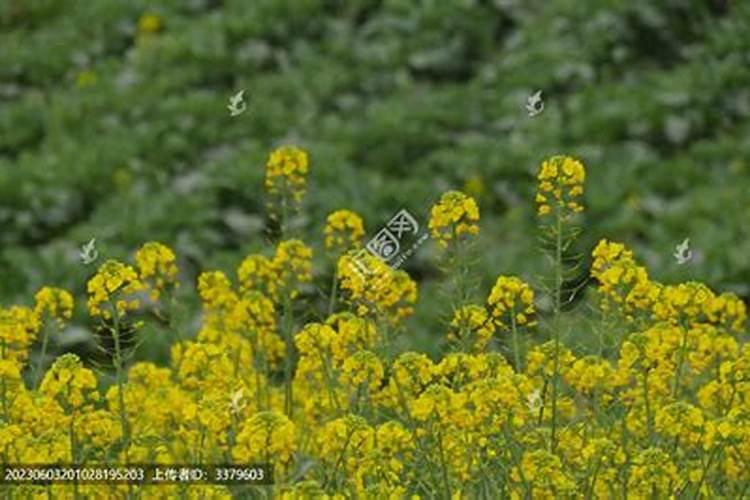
(120, 385)
(38, 369)
(72, 438)
(4, 395)
(334, 292)
(443, 466)
(705, 473)
(287, 333)
(558, 302)
(649, 424)
(4, 398)
(678, 375)
(514, 328)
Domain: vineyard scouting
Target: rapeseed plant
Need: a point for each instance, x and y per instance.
(341, 412)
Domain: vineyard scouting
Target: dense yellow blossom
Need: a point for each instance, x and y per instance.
(56, 302)
(560, 186)
(265, 438)
(471, 327)
(292, 265)
(286, 172)
(344, 230)
(114, 288)
(511, 302)
(374, 289)
(257, 273)
(456, 214)
(156, 267)
(72, 385)
(19, 328)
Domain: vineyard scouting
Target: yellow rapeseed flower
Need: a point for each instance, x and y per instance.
(266, 437)
(292, 265)
(455, 215)
(113, 286)
(56, 302)
(344, 230)
(286, 172)
(156, 267)
(19, 327)
(72, 385)
(471, 326)
(560, 186)
(511, 300)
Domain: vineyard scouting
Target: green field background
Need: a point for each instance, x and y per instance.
(111, 132)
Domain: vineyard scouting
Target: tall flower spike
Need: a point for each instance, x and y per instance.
(115, 283)
(560, 186)
(156, 267)
(286, 172)
(511, 299)
(455, 215)
(344, 230)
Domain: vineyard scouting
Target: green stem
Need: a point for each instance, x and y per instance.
(514, 327)
(120, 385)
(38, 369)
(324, 360)
(443, 466)
(334, 293)
(76, 493)
(649, 424)
(705, 473)
(5, 399)
(287, 333)
(680, 362)
(284, 214)
(558, 302)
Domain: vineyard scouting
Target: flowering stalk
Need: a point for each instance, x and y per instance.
(560, 185)
(287, 324)
(514, 328)
(334, 293)
(118, 362)
(556, 313)
(38, 368)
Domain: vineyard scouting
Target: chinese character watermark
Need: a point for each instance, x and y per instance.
(386, 244)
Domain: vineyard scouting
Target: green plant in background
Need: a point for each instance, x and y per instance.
(113, 124)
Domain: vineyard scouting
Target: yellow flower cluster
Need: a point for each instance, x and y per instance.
(156, 267)
(343, 411)
(56, 302)
(267, 434)
(19, 328)
(70, 383)
(114, 288)
(344, 230)
(471, 327)
(293, 266)
(373, 288)
(627, 285)
(456, 214)
(284, 274)
(560, 186)
(511, 302)
(286, 172)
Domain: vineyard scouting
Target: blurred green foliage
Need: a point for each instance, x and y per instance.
(112, 133)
